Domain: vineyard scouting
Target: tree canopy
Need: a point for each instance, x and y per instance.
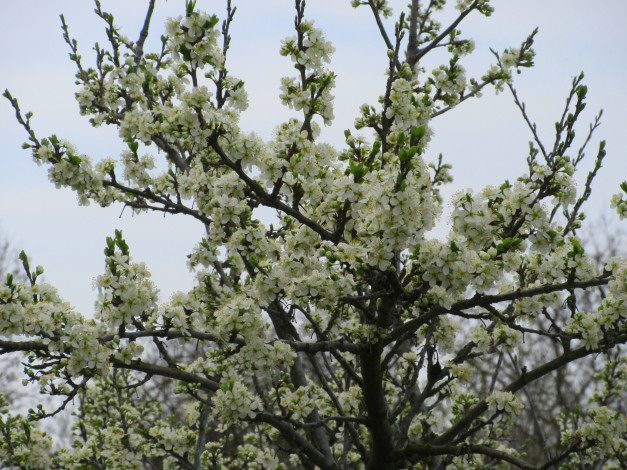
(337, 332)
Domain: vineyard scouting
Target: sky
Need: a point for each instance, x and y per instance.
(485, 140)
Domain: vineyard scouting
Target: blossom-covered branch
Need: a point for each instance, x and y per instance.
(342, 334)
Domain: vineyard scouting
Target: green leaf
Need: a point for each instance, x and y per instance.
(577, 248)
(508, 244)
(376, 147)
(401, 139)
(358, 170)
(120, 242)
(133, 146)
(190, 6)
(110, 248)
(73, 159)
(27, 428)
(24, 259)
(184, 51)
(417, 133)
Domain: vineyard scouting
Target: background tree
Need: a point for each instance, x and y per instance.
(337, 334)
(570, 389)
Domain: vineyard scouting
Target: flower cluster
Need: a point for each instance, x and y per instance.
(619, 204)
(506, 402)
(405, 107)
(125, 292)
(193, 40)
(234, 401)
(23, 445)
(309, 51)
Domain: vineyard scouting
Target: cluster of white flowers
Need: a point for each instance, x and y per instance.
(139, 123)
(530, 307)
(450, 81)
(237, 98)
(300, 402)
(462, 47)
(393, 218)
(87, 352)
(68, 169)
(500, 337)
(30, 309)
(234, 401)
(194, 40)
(382, 5)
(37, 311)
(136, 169)
(405, 106)
(319, 287)
(603, 429)
(217, 196)
(461, 5)
(619, 204)
(350, 399)
(510, 58)
(180, 313)
(125, 292)
(120, 433)
(22, 445)
(240, 315)
(450, 265)
(506, 402)
(588, 325)
(472, 218)
(175, 439)
(613, 308)
(257, 355)
(315, 50)
(462, 402)
(310, 52)
(251, 455)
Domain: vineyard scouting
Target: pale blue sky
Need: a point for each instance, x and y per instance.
(486, 141)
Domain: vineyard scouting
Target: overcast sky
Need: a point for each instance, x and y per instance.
(485, 140)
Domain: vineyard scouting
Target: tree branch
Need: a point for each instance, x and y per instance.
(413, 56)
(484, 300)
(417, 451)
(139, 47)
(163, 371)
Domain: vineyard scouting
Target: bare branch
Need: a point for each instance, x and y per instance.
(139, 46)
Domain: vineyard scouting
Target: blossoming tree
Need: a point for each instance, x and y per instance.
(341, 335)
